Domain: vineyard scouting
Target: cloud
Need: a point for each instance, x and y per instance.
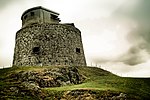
(135, 56)
(139, 37)
(4, 3)
(136, 15)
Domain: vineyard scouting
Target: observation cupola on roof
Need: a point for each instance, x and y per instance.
(39, 15)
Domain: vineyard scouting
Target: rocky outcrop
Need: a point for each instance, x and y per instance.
(88, 94)
(29, 83)
(50, 77)
(84, 94)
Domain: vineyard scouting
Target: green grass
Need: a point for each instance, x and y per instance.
(97, 79)
(102, 80)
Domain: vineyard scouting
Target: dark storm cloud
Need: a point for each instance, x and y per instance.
(139, 37)
(133, 56)
(137, 11)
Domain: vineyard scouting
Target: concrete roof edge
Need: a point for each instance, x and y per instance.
(39, 7)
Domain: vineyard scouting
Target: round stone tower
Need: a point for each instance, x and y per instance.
(43, 41)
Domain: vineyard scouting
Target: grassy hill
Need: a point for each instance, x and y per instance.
(98, 84)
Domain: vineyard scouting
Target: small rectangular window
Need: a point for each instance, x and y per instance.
(54, 17)
(36, 50)
(32, 13)
(78, 50)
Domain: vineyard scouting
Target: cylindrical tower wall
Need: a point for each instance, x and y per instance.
(49, 44)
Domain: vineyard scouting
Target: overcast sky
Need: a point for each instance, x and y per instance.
(115, 33)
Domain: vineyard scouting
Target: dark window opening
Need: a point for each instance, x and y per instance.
(36, 50)
(39, 62)
(25, 17)
(32, 13)
(54, 17)
(78, 50)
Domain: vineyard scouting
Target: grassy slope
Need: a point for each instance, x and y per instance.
(97, 79)
(102, 80)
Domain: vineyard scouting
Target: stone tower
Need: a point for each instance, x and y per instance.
(43, 41)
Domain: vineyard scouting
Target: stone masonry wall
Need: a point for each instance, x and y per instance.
(49, 44)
